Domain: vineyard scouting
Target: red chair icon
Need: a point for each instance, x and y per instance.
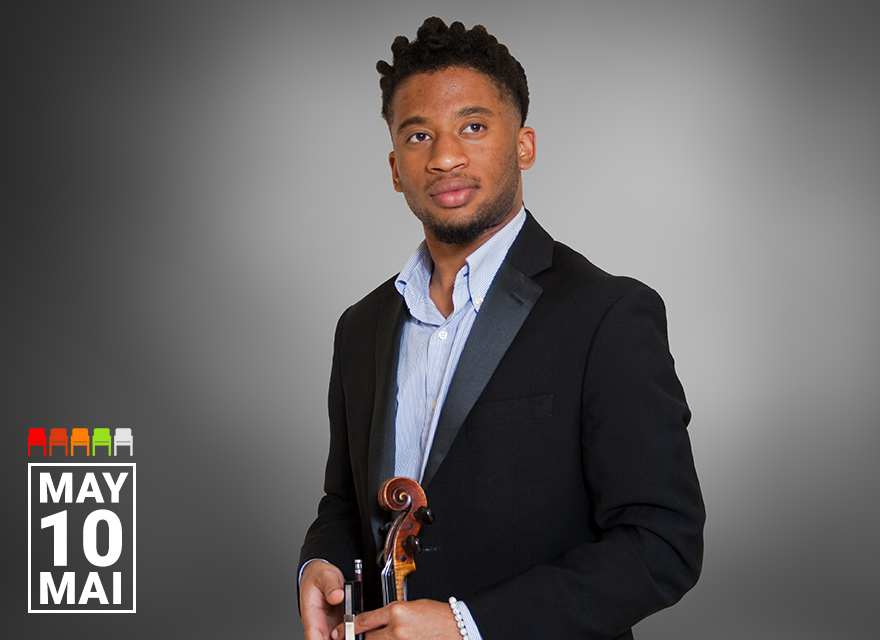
(79, 438)
(36, 438)
(58, 437)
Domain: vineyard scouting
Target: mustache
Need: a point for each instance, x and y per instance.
(454, 176)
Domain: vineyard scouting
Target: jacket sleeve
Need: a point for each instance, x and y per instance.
(336, 532)
(639, 473)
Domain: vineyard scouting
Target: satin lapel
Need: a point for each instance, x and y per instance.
(508, 303)
(381, 461)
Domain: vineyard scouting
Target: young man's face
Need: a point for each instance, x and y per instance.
(458, 152)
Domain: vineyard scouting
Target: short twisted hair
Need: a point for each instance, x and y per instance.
(439, 47)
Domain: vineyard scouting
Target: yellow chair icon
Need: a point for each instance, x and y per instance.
(79, 438)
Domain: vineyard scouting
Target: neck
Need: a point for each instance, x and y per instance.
(448, 260)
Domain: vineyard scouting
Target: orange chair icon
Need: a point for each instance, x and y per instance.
(124, 438)
(36, 438)
(101, 438)
(58, 437)
(79, 438)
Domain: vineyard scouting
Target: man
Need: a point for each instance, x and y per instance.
(531, 394)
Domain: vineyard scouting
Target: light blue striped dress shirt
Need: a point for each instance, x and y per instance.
(431, 345)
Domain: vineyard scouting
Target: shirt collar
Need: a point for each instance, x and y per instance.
(472, 281)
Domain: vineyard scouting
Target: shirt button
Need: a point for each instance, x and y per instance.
(478, 302)
(442, 335)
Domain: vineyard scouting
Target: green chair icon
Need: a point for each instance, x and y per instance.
(101, 438)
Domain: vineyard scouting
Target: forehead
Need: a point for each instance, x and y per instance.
(448, 91)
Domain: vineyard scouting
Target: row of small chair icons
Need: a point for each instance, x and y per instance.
(80, 438)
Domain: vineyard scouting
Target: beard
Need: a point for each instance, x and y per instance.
(489, 214)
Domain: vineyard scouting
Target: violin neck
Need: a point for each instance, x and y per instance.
(389, 583)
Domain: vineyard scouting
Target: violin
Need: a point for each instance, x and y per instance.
(406, 497)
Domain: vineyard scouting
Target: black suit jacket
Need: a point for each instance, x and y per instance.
(561, 474)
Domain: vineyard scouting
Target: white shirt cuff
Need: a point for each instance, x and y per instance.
(472, 630)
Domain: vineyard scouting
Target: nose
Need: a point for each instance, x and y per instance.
(447, 154)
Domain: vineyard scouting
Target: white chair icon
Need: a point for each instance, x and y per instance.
(124, 438)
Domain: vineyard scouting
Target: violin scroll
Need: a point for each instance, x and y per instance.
(405, 496)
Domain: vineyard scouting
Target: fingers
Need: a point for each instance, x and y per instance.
(375, 619)
(406, 620)
(331, 583)
(313, 633)
(321, 593)
(325, 577)
(367, 621)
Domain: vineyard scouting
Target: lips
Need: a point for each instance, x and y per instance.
(453, 192)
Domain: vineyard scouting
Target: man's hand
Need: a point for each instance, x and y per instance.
(321, 592)
(416, 620)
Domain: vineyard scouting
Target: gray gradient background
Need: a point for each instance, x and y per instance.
(177, 174)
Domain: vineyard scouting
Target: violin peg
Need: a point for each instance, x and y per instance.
(412, 545)
(424, 515)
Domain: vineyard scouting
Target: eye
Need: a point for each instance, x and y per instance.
(418, 137)
(474, 128)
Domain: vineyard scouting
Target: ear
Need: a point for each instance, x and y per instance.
(395, 178)
(526, 147)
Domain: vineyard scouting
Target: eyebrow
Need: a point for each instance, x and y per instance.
(469, 111)
(462, 113)
(411, 121)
